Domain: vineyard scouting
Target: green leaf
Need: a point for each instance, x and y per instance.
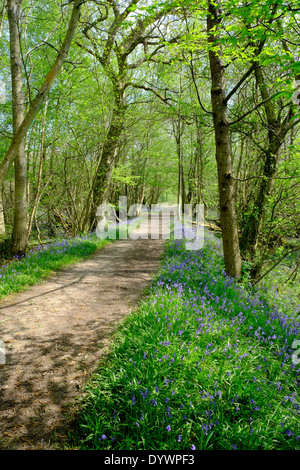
(296, 67)
(284, 94)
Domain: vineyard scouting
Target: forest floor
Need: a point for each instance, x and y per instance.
(56, 333)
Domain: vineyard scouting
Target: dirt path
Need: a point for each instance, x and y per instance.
(57, 331)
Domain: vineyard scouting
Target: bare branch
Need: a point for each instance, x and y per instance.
(42, 93)
(143, 87)
(274, 265)
(253, 109)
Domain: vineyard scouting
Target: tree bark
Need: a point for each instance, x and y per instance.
(199, 167)
(39, 181)
(2, 17)
(231, 250)
(109, 154)
(277, 131)
(42, 93)
(19, 235)
(2, 221)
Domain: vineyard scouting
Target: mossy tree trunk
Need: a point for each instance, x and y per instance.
(228, 217)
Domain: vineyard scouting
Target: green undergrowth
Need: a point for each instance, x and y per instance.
(40, 262)
(204, 363)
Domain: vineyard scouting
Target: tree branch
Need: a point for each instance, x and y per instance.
(253, 109)
(43, 92)
(274, 265)
(143, 87)
(246, 75)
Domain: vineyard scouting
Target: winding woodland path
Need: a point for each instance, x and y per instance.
(55, 334)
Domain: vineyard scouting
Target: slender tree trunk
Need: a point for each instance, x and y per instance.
(43, 91)
(2, 14)
(178, 131)
(39, 181)
(109, 155)
(276, 133)
(228, 218)
(2, 222)
(19, 235)
(179, 189)
(199, 167)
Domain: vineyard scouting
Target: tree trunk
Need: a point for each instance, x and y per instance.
(199, 167)
(2, 17)
(179, 189)
(228, 218)
(276, 133)
(109, 155)
(178, 128)
(39, 181)
(2, 222)
(43, 91)
(19, 235)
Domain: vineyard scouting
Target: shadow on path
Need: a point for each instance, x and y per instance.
(56, 333)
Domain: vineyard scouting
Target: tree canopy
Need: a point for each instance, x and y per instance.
(180, 101)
